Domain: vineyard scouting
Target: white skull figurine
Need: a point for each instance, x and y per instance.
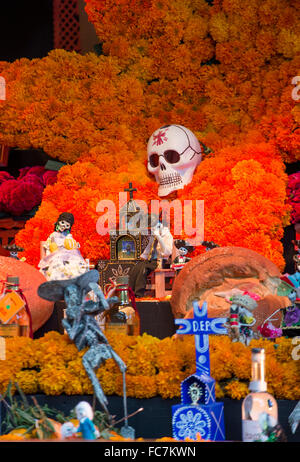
(173, 154)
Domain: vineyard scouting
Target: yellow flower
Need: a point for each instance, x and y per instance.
(236, 390)
(28, 381)
(219, 391)
(53, 380)
(141, 386)
(53, 365)
(168, 383)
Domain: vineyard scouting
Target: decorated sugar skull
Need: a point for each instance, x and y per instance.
(173, 155)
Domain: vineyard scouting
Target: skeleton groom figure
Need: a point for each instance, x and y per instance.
(80, 323)
(157, 253)
(173, 155)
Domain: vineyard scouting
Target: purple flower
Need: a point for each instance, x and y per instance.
(292, 316)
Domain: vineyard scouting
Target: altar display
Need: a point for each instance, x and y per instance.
(176, 105)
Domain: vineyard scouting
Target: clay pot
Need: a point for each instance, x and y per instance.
(218, 271)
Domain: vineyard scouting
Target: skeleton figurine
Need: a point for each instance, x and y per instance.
(173, 155)
(62, 259)
(241, 318)
(290, 287)
(182, 250)
(80, 323)
(294, 418)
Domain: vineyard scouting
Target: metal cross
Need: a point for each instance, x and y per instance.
(130, 190)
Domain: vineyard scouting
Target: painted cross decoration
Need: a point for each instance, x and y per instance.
(131, 190)
(201, 326)
(159, 138)
(199, 412)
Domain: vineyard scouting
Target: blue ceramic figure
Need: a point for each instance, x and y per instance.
(85, 416)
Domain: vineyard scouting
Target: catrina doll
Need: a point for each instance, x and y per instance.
(62, 259)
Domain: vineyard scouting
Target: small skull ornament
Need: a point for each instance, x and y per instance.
(63, 225)
(173, 155)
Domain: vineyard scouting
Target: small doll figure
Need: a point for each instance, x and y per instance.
(233, 323)
(85, 416)
(241, 318)
(290, 287)
(157, 254)
(63, 259)
(86, 428)
(68, 431)
(296, 259)
(183, 248)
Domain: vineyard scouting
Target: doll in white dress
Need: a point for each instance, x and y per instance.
(62, 259)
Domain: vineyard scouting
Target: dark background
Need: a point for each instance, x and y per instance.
(26, 29)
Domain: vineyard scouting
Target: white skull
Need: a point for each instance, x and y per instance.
(63, 225)
(173, 154)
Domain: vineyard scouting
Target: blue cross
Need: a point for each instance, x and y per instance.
(201, 326)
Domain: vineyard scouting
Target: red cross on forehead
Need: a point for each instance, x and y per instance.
(160, 138)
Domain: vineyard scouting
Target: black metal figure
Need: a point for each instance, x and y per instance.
(81, 325)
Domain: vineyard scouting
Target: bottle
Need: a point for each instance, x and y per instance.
(19, 324)
(259, 408)
(123, 317)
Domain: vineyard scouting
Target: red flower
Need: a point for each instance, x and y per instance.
(4, 176)
(293, 193)
(37, 170)
(19, 196)
(49, 177)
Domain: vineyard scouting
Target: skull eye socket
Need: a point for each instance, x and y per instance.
(171, 156)
(154, 160)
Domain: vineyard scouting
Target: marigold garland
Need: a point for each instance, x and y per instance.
(52, 365)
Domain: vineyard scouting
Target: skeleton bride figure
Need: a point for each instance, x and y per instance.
(62, 259)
